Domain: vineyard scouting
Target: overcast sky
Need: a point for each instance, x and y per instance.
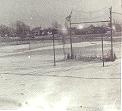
(44, 12)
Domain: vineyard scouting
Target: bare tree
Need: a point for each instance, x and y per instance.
(6, 31)
(22, 30)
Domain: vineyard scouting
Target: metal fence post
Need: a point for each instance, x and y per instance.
(54, 48)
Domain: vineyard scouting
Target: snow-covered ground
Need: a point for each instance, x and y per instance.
(29, 81)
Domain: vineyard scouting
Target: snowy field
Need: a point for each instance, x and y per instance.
(29, 81)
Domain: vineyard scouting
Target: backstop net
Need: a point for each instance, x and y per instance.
(90, 35)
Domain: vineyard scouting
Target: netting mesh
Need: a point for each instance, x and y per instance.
(87, 37)
(88, 50)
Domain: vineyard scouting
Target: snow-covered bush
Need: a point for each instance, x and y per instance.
(109, 57)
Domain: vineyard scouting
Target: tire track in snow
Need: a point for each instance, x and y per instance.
(78, 77)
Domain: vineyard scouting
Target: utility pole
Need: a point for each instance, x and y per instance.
(111, 33)
(54, 48)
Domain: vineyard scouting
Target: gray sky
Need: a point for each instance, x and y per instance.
(44, 12)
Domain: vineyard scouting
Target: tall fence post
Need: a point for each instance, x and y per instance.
(71, 40)
(54, 48)
(102, 50)
(63, 42)
(29, 42)
(111, 33)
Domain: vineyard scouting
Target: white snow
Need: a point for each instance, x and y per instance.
(31, 82)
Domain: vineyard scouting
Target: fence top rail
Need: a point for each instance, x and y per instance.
(90, 22)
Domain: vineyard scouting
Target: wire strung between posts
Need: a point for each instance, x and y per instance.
(89, 18)
(117, 13)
